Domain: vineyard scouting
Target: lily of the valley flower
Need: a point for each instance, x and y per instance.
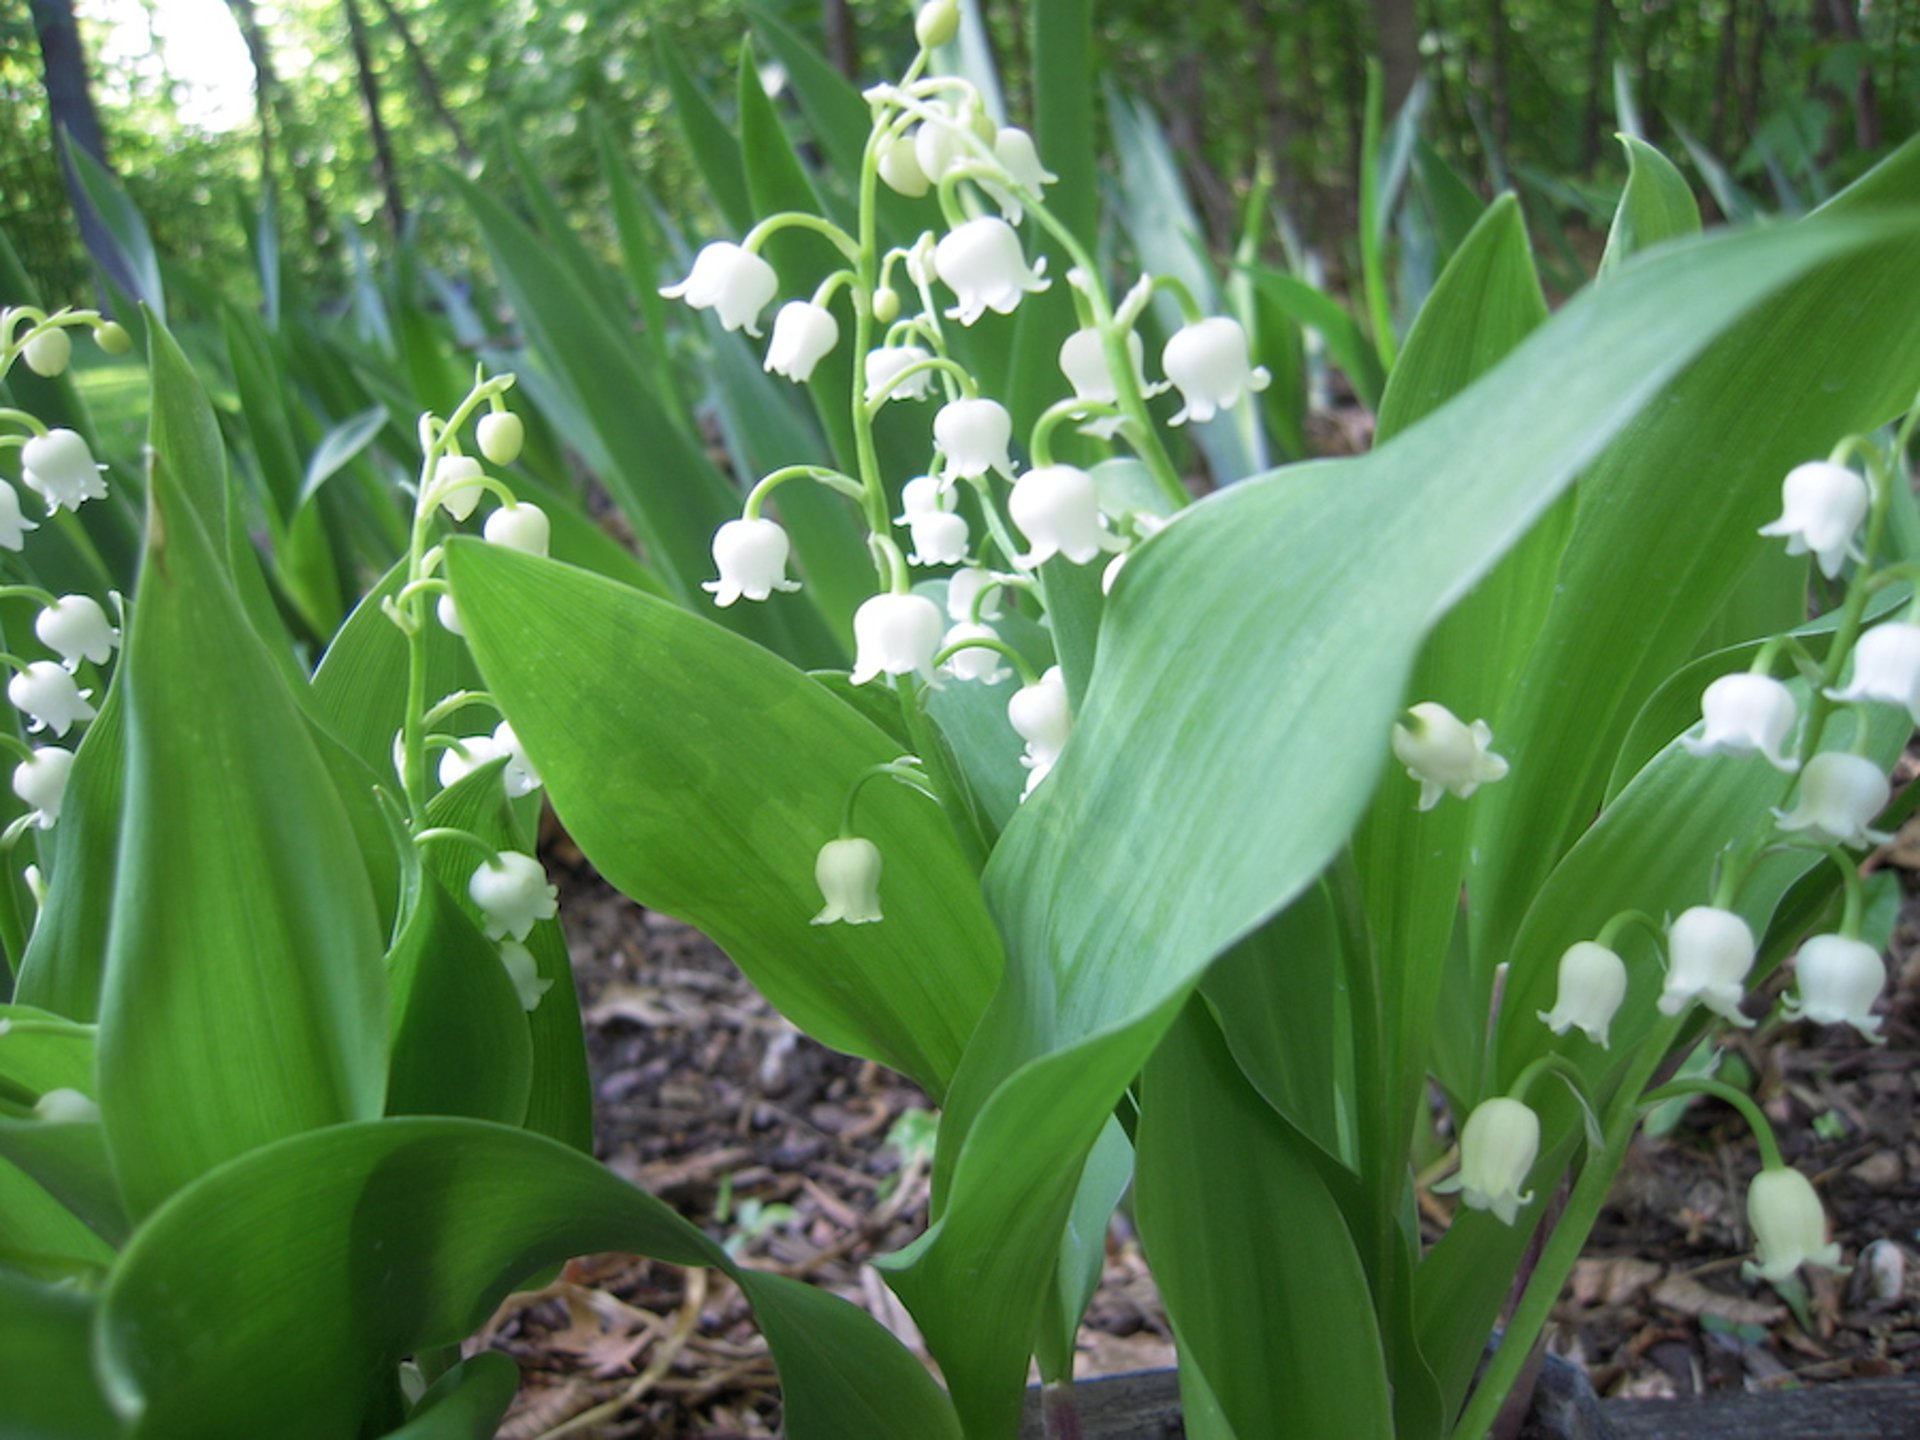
(1746, 715)
(1083, 360)
(520, 778)
(465, 756)
(803, 333)
(896, 635)
(520, 526)
(1040, 715)
(964, 588)
(448, 616)
(41, 781)
(900, 167)
(456, 484)
(50, 697)
(48, 352)
(1593, 982)
(1789, 1227)
(939, 534)
(974, 435)
(1886, 667)
(513, 894)
(1209, 361)
(13, 524)
(848, 874)
(936, 148)
(891, 360)
(1013, 148)
(974, 662)
(731, 281)
(982, 263)
(59, 468)
(501, 434)
(1709, 952)
(1840, 978)
(1444, 754)
(75, 628)
(524, 971)
(1839, 794)
(1498, 1145)
(1822, 506)
(751, 556)
(1058, 509)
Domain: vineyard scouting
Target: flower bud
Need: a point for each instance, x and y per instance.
(896, 635)
(501, 434)
(900, 169)
(512, 894)
(937, 23)
(456, 485)
(449, 617)
(48, 352)
(1822, 505)
(1593, 982)
(982, 263)
(1746, 715)
(803, 333)
(886, 304)
(60, 469)
(113, 338)
(519, 526)
(1445, 755)
(66, 1106)
(41, 781)
(1709, 952)
(1498, 1145)
(1058, 509)
(975, 436)
(75, 628)
(1886, 667)
(13, 524)
(751, 556)
(1839, 794)
(47, 693)
(848, 874)
(1840, 978)
(1789, 1227)
(731, 281)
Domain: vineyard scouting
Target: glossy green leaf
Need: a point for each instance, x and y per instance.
(42, 1237)
(710, 141)
(1346, 342)
(338, 448)
(68, 1158)
(41, 1051)
(1450, 201)
(243, 997)
(1657, 204)
(276, 1295)
(466, 1403)
(1063, 111)
(125, 227)
(703, 778)
(47, 1389)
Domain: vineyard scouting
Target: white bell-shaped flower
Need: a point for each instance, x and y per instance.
(982, 263)
(513, 894)
(1839, 794)
(13, 524)
(1083, 360)
(1145, 527)
(502, 435)
(1013, 148)
(1886, 667)
(1057, 508)
(1209, 360)
(448, 616)
(1498, 1146)
(733, 282)
(1444, 754)
(60, 469)
(896, 635)
(939, 538)
(48, 694)
(803, 333)
(922, 496)
(964, 588)
(465, 756)
(41, 781)
(751, 556)
(1840, 978)
(900, 167)
(975, 436)
(848, 874)
(1789, 1226)
(973, 662)
(1709, 952)
(520, 778)
(75, 628)
(524, 971)
(890, 361)
(1593, 982)
(937, 147)
(520, 526)
(48, 352)
(1041, 716)
(1746, 715)
(64, 1105)
(456, 485)
(1822, 506)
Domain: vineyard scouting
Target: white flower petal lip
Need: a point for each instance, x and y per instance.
(1822, 505)
(1886, 667)
(1041, 716)
(922, 496)
(848, 874)
(48, 694)
(1083, 360)
(524, 971)
(501, 434)
(896, 635)
(982, 263)
(751, 556)
(512, 894)
(803, 333)
(938, 539)
(1057, 508)
(41, 781)
(1747, 715)
(892, 360)
(1593, 982)
(1838, 795)
(13, 524)
(1013, 149)
(458, 763)
(60, 469)
(975, 662)
(1789, 1226)
(75, 628)
(521, 526)
(1709, 952)
(1209, 361)
(520, 778)
(456, 485)
(975, 436)
(1446, 755)
(1498, 1146)
(733, 282)
(1840, 978)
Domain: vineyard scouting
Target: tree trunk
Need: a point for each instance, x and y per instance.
(386, 173)
(1502, 98)
(280, 129)
(1750, 87)
(1590, 132)
(1276, 118)
(1397, 41)
(1866, 102)
(429, 82)
(1723, 82)
(843, 47)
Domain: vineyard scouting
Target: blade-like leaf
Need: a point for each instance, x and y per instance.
(47, 1389)
(1656, 205)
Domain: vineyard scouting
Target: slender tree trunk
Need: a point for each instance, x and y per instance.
(1502, 98)
(386, 173)
(429, 82)
(1866, 100)
(843, 47)
(1751, 86)
(1397, 41)
(1590, 130)
(1724, 77)
(1276, 118)
(280, 129)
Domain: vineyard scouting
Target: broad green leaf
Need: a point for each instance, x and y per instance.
(1317, 584)
(136, 257)
(41, 1051)
(1063, 119)
(338, 447)
(640, 252)
(703, 778)
(243, 998)
(466, 1403)
(1083, 1249)
(1657, 204)
(47, 1389)
(276, 1295)
(1316, 310)
(1244, 1237)
(710, 141)
(69, 1159)
(1454, 208)
(41, 1236)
